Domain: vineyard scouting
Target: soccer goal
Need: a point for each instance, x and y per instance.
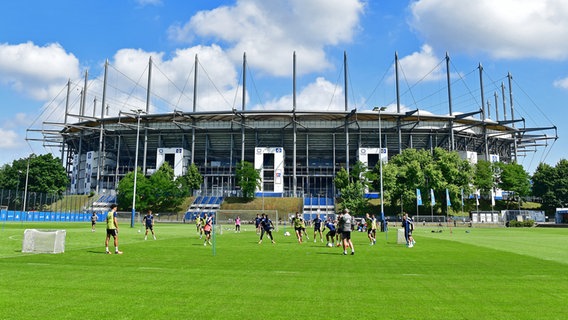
(44, 241)
(225, 219)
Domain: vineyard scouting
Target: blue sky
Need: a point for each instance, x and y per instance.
(45, 43)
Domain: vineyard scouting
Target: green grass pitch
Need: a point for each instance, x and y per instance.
(485, 273)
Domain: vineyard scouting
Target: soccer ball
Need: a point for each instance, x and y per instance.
(138, 230)
(330, 245)
(286, 234)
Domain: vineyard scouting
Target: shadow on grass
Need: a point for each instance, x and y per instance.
(96, 251)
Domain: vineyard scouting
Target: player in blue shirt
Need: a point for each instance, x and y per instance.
(148, 220)
(408, 225)
(330, 235)
(317, 227)
(257, 223)
(266, 226)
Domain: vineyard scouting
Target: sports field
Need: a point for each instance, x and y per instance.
(485, 273)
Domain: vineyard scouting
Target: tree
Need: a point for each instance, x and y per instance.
(551, 185)
(352, 187)
(561, 183)
(403, 175)
(248, 178)
(543, 180)
(161, 192)
(191, 180)
(126, 191)
(341, 179)
(46, 175)
(484, 178)
(457, 173)
(514, 178)
(353, 198)
(164, 193)
(420, 169)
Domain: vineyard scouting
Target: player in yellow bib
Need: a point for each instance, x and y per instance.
(297, 221)
(112, 229)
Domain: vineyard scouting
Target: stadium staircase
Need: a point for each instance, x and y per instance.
(202, 205)
(102, 203)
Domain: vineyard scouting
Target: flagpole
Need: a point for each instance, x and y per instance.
(418, 200)
(462, 200)
(492, 201)
(432, 203)
(380, 109)
(448, 205)
(477, 201)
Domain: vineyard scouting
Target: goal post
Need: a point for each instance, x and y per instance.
(225, 219)
(44, 241)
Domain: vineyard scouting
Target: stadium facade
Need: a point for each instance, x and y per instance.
(298, 152)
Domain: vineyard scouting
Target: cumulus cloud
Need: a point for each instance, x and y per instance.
(171, 86)
(218, 84)
(10, 139)
(509, 29)
(318, 95)
(270, 31)
(423, 65)
(19, 120)
(36, 71)
(173, 79)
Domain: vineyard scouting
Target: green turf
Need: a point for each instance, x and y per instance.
(483, 274)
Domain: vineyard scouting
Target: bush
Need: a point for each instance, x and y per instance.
(521, 224)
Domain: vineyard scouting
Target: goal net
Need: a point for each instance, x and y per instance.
(225, 219)
(44, 241)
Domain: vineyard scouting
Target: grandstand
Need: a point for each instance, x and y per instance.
(298, 152)
(102, 203)
(202, 205)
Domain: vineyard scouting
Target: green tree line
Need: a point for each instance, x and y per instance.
(160, 192)
(439, 170)
(413, 169)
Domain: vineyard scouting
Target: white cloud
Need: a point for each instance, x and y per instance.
(172, 80)
(18, 121)
(144, 3)
(318, 95)
(562, 83)
(36, 71)
(270, 31)
(218, 86)
(10, 139)
(423, 65)
(510, 29)
(171, 84)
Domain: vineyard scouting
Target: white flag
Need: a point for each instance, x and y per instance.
(477, 196)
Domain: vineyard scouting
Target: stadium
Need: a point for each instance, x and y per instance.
(298, 151)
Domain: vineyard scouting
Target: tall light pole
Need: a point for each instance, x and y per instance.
(138, 112)
(26, 187)
(17, 189)
(380, 109)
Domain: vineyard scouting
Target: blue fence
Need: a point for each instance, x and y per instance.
(40, 216)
